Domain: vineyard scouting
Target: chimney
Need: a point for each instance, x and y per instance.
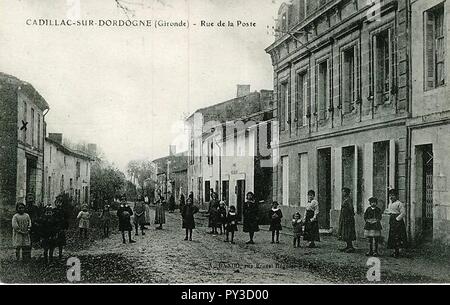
(243, 90)
(172, 150)
(92, 149)
(57, 137)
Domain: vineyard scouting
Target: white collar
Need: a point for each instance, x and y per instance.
(275, 210)
(232, 214)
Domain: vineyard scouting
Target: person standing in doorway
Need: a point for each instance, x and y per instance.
(311, 222)
(250, 213)
(346, 231)
(397, 229)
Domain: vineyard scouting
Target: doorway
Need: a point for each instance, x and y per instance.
(240, 197)
(31, 176)
(324, 187)
(226, 191)
(424, 174)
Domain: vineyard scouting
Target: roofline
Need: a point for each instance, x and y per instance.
(67, 150)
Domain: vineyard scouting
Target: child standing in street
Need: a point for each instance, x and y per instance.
(21, 225)
(124, 214)
(372, 228)
(231, 224)
(222, 217)
(297, 226)
(187, 213)
(83, 218)
(105, 217)
(275, 216)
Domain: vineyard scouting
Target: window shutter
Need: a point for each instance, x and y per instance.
(337, 178)
(429, 51)
(355, 180)
(345, 94)
(392, 164)
(368, 172)
(281, 107)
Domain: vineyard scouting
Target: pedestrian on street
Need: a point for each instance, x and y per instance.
(183, 201)
(171, 203)
(310, 220)
(139, 217)
(105, 218)
(48, 231)
(275, 216)
(21, 225)
(213, 219)
(297, 227)
(187, 214)
(397, 229)
(222, 218)
(124, 214)
(250, 213)
(147, 212)
(346, 231)
(62, 224)
(372, 228)
(160, 215)
(83, 218)
(231, 224)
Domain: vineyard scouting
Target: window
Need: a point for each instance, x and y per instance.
(322, 89)
(191, 156)
(65, 161)
(383, 67)
(303, 176)
(302, 97)
(349, 72)
(61, 187)
(210, 153)
(284, 106)
(434, 48)
(285, 180)
(87, 168)
(284, 23)
(25, 119)
(207, 191)
(32, 127)
(78, 169)
(39, 131)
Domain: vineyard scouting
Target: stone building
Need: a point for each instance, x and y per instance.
(22, 133)
(229, 149)
(341, 79)
(429, 126)
(171, 174)
(66, 170)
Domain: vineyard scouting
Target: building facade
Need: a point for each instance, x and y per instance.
(66, 171)
(429, 126)
(171, 175)
(229, 149)
(22, 132)
(341, 79)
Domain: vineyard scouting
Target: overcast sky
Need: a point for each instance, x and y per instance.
(127, 89)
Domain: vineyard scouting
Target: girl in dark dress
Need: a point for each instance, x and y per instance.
(250, 213)
(188, 216)
(231, 224)
(297, 227)
(311, 222)
(275, 216)
(397, 229)
(213, 213)
(222, 219)
(372, 228)
(124, 214)
(346, 231)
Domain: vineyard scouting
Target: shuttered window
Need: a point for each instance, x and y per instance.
(322, 89)
(383, 66)
(434, 47)
(301, 94)
(349, 79)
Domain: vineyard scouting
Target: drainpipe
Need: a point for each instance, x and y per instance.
(409, 115)
(44, 133)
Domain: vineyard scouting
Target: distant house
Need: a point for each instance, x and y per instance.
(171, 174)
(228, 142)
(66, 171)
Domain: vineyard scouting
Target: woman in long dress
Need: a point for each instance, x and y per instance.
(188, 211)
(346, 231)
(160, 214)
(147, 211)
(250, 213)
(397, 229)
(311, 221)
(213, 220)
